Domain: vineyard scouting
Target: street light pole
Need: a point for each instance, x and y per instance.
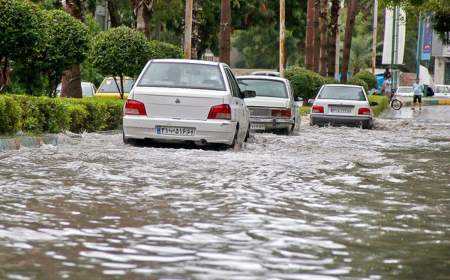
(188, 29)
(282, 37)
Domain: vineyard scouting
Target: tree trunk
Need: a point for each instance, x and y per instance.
(309, 39)
(113, 14)
(352, 10)
(71, 82)
(225, 31)
(71, 78)
(143, 11)
(333, 27)
(323, 37)
(316, 36)
(4, 73)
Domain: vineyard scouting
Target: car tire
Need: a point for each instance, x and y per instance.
(128, 141)
(236, 145)
(247, 135)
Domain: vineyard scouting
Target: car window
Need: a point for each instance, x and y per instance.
(267, 88)
(342, 93)
(86, 89)
(442, 89)
(109, 85)
(404, 89)
(233, 83)
(182, 75)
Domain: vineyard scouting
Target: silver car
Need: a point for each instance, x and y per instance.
(274, 108)
(342, 105)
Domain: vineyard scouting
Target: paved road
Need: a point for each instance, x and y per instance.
(428, 114)
(331, 203)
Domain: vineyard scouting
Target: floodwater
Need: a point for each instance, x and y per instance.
(331, 203)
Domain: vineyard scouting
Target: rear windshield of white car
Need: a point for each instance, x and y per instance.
(111, 86)
(183, 75)
(442, 89)
(267, 88)
(342, 93)
(405, 89)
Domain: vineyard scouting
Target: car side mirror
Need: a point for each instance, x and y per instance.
(249, 93)
(311, 101)
(373, 103)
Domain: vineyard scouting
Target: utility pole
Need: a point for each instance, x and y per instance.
(374, 35)
(188, 29)
(282, 37)
(393, 51)
(419, 46)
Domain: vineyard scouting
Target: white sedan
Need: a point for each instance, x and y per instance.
(342, 105)
(274, 107)
(405, 91)
(187, 100)
(442, 91)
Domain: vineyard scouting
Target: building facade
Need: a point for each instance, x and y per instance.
(441, 54)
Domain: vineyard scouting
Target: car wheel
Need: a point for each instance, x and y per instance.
(247, 135)
(128, 141)
(236, 145)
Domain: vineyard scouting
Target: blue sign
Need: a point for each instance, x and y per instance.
(427, 37)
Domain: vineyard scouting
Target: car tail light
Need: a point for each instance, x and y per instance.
(133, 107)
(317, 109)
(284, 113)
(222, 112)
(363, 111)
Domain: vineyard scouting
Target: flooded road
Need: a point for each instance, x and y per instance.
(331, 203)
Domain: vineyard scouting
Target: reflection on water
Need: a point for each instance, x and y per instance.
(331, 203)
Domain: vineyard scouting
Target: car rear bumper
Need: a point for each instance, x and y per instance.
(317, 119)
(211, 131)
(271, 123)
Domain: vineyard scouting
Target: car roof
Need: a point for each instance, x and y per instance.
(266, 73)
(256, 77)
(202, 62)
(341, 85)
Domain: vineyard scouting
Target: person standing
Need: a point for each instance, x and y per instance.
(418, 92)
(386, 90)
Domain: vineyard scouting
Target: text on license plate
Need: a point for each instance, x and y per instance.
(257, 126)
(340, 109)
(177, 131)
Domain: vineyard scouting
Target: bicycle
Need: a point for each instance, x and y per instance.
(395, 103)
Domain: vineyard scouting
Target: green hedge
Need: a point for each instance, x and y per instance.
(359, 82)
(36, 115)
(383, 103)
(367, 77)
(305, 83)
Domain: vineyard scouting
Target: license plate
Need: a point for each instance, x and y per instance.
(340, 109)
(257, 126)
(177, 131)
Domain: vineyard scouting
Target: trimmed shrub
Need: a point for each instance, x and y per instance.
(330, 80)
(367, 77)
(36, 115)
(159, 49)
(383, 103)
(359, 82)
(305, 83)
(10, 112)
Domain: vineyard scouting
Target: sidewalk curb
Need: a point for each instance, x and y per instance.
(15, 143)
(425, 102)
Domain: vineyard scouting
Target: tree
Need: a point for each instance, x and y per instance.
(333, 27)
(71, 79)
(352, 10)
(359, 56)
(323, 37)
(66, 46)
(20, 34)
(225, 31)
(309, 40)
(316, 63)
(143, 11)
(119, 52)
